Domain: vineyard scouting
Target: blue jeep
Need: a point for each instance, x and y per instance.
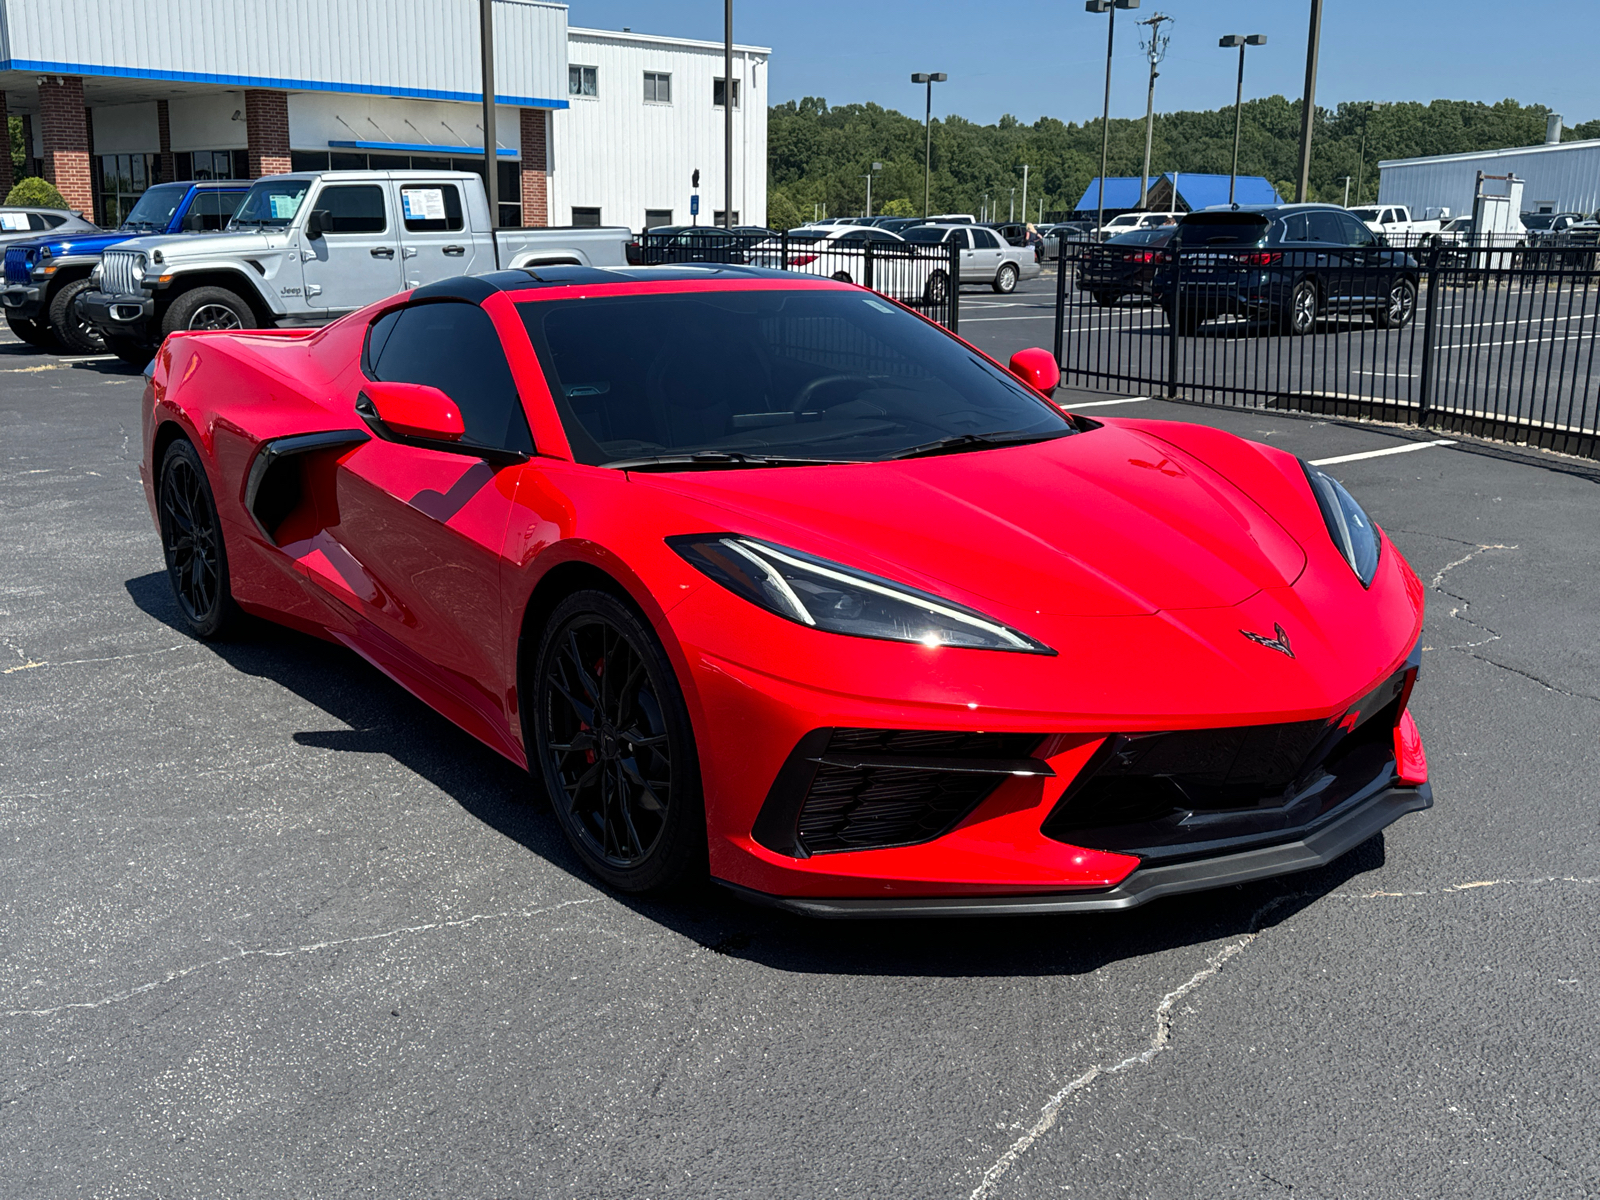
(45, 275)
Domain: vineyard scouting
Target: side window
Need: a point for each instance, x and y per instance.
(353, 208)
(209, 211)
(431, 208)
(1354, 233)
(957, 237)
(434, 344)
(46, 220)
(1324, 226)
(983, 239)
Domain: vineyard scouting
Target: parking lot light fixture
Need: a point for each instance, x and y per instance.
(1228, 43)
(1109, 7)
(929, 78)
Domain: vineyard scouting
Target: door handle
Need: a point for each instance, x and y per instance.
(455, 251)
(382, 252)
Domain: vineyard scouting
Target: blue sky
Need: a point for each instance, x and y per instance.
(1047, 57)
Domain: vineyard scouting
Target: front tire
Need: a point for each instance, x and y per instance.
(1401, 304)
(207, 308)
(191, 538)
(611, 741)
(937, 289)
(1005, 279)
(29, 330)
(75, 334)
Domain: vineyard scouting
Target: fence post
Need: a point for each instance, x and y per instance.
(954, 288)
(1061, 299)
(1172, 325)
(1431, 277)
(783, 252)
(866, 265)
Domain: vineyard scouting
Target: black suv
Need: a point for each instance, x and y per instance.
(1287, 263)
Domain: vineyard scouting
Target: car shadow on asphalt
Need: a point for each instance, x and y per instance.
(380, 717)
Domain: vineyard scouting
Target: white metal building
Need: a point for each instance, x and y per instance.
(661, 98)
(1560, 177)
(118, 94)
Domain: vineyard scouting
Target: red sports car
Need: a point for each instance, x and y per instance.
(772, 578)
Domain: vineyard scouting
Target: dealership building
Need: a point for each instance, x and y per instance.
(592, 126)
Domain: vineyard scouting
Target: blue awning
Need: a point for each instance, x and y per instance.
(1203, 191)
(1121, 192)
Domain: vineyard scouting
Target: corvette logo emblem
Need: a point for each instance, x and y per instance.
(1279, 643)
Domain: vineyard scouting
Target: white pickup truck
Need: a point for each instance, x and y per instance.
(305, 248)
(1395, 221)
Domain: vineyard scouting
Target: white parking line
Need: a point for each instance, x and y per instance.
(1406, 449)
(104, 357)
(1104, 403)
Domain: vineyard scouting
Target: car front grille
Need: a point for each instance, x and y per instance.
(1166, 796)
(17, 266)
(116, 273)
(868, 789)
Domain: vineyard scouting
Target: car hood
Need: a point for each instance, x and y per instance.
(177, 246)
(1113, 522)
(79, 244)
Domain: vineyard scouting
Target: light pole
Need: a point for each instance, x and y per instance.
(1156, 50)
(1228, 43)
(1012, 215)
(1110, 8)
(1361, 167)
(927, 122)
(1024, 191)
(877, 166)
(1347, 191)
(491, 164)
(1308, 106)
(727, 114)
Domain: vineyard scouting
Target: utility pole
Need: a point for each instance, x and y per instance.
(1361, 167)
(727, 114)
(1013, 212)
(927, 122)
(1155, 48)
(877, 166)
(1308, 105)
(491, 159)
(1109, 7)
(1347, 191)
(1024, 191)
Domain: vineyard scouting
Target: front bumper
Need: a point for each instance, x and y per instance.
(23, 299)
(119, 316)
(1337, 834)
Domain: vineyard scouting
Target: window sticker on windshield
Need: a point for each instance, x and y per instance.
(877, 304)
(422, 204)
(283, 208)
(13, 221)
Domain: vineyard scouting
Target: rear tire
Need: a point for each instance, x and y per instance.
(617, 759)
(841, 277)
(1299, 316)
(191, 539)
(75, 334)
(29, 330)
(1005, 279)
(1396, 313)
(207, 308)
(1105, 299)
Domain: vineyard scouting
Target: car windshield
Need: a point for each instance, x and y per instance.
(156, 206)
(1538, 220)
(807, 374)
(808, 235)
(1364, 214)
(271, 203)
(1221, 229)
(1143, 237)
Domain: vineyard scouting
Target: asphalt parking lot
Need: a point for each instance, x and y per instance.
(271, 928)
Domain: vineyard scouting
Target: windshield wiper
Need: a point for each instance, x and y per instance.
(976, 441)
(718, 458)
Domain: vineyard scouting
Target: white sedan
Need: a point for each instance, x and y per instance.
(899, 270)
(986, 257)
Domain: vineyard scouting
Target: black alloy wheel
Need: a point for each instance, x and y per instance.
(612, 741)
(1398, 308)
(77, 336)
(29, 330)
(191, 537)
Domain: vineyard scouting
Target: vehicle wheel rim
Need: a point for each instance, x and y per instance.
(189, 537)
(215, 316)
(1305, 308)
(607, 740)
(936, 288)
(1399, 305)
(1008, 280)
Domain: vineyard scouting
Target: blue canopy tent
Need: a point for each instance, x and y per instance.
(1192, 191)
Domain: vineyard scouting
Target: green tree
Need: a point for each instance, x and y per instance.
(19, 152)
(36, 192)
(899, 207)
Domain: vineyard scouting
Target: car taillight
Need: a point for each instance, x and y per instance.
(1259, 258)
(800, 260)
(1145, 256)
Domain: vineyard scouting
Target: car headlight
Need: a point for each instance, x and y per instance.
(97, 276)
(139, 264)
(1352, 531)
(826, 595)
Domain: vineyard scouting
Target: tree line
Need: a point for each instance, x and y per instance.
(817, 155)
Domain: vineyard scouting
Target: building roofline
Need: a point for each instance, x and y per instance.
(1504, 152)
(660, 39)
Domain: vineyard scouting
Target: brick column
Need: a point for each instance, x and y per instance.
(66, 140)
(7, 176)
(535, 185)
(169, 169)
(266, 113)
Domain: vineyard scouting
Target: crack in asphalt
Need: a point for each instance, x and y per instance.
(287, 952)
(1161, 1039)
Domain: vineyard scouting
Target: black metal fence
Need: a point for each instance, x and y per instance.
(1492, 340)
(919, 276)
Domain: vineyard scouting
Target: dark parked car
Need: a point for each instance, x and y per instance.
(703, 243)
(1287, 263)
(1124, 266)
(898, 224)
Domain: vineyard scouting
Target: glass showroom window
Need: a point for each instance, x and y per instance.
(582, 81)
(719, 93)
(123, 179)
(657, 87)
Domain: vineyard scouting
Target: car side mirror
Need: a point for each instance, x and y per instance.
(1037, 368)
(410, 411)
(317, 221)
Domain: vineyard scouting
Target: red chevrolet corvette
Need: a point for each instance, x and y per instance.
(772, 578)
